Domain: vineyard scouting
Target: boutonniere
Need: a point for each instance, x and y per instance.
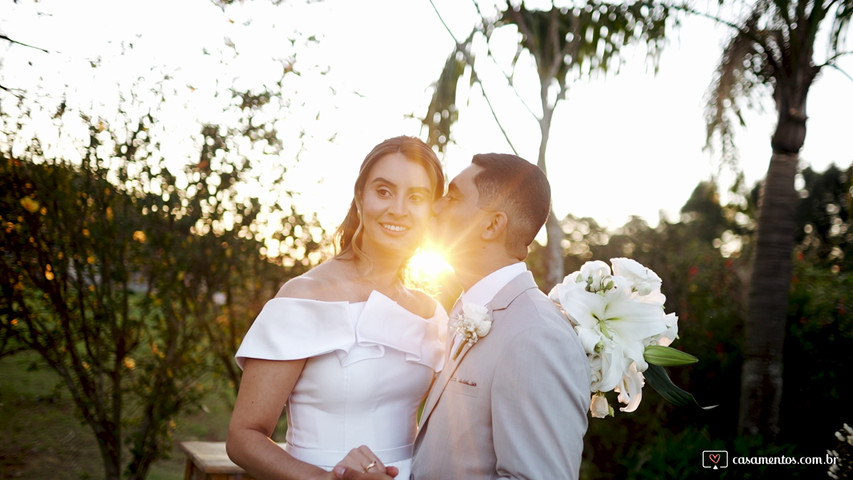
(473, 323)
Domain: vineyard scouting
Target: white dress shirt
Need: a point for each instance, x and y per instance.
(482, 292)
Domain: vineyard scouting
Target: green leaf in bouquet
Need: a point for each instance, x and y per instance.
(667, 356)
(657, 377)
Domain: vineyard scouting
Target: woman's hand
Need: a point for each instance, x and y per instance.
(344, 473)
(362, 460)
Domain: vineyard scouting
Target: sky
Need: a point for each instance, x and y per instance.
(627, 144)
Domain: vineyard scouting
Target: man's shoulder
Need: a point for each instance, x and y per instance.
(534, 315)
(533, 310)
(534, 323)
(534, 299)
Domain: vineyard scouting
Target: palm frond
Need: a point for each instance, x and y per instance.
(840, 23)
(442, 112)
(747, 62)
(587, 38)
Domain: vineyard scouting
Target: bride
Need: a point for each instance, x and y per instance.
(346, 348)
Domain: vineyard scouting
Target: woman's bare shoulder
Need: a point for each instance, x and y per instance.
(300, 287)
(322, 282)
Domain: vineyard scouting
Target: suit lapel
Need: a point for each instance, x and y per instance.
(449, 367)
(499, 303)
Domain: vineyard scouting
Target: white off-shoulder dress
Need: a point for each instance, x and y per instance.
(369, 367)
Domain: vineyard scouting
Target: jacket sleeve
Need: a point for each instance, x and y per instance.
(540, 399)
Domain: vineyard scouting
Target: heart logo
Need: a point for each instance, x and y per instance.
(715, 457)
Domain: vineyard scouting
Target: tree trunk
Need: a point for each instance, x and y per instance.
(555, 271)
(761, 383)
(110, 446)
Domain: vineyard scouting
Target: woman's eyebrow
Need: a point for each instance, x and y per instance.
(382, 180)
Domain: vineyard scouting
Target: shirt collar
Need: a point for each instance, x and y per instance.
(482, 292)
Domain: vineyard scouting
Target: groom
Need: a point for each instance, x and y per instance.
(514, 403)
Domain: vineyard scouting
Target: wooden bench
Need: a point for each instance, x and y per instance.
(208, 461)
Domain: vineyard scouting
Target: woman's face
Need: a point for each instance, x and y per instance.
(396, 206)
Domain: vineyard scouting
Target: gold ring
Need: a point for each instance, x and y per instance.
(369, 466)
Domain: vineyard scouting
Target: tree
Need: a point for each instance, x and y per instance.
(824, 214)
(820, 318)
(132, 281)
(89, 287)
(584, 39)
(134, 275)
(772, 50)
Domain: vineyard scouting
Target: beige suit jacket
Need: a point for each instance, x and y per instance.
(513, 405)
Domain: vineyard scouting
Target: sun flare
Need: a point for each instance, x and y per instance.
(428, 270)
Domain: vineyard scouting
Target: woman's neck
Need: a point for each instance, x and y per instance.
(382, 275)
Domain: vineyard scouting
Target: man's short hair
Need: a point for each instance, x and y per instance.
(520, 189)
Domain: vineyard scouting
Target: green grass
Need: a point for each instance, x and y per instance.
(43, 439)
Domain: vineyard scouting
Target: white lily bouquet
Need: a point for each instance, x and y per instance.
(620, 320)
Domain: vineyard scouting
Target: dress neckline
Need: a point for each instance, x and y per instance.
(371, 296)
(291, 328)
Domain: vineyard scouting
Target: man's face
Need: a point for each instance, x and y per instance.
(459, 219)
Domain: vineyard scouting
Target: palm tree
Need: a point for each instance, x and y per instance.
(583, 40)
(772, 50)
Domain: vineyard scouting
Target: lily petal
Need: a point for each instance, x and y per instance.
(631, 389)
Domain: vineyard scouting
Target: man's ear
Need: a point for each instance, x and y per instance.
(496, 227)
